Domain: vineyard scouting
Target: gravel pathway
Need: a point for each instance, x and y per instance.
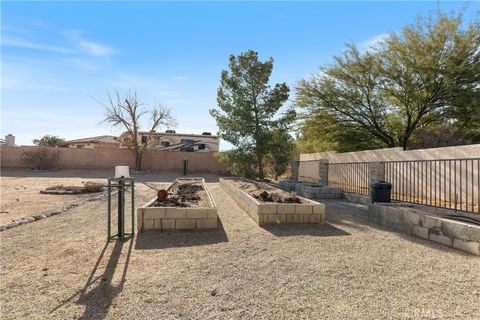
(60, 268)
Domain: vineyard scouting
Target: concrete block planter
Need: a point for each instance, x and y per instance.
(311, 190)
(265, 213)
(409, 220)
(150, 217)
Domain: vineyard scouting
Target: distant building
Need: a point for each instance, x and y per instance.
(172, 141)
(9, 141)
(92, 142)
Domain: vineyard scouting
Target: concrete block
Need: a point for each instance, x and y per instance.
(412, 217)
(212, 213)
(460, 230)
(318, 209)
(154, 213)
(267, 208)
(185, 223)
(335, 191)
(294, 218)
(197, 213)
(303, 209)
(441, 239)
(168, 224)
(148, 224)
(420, 232)
(207, 223)
(175, 213)
(157, 224)
(431, 222)
(286, 208)
(467, 246)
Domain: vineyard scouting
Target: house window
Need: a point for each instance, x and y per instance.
(144, 139)
(201, 146)
(187, 141)
(80, 146)
(165, 143)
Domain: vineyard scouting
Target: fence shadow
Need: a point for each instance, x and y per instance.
(157, 239)
(315, 230)
(97, 300)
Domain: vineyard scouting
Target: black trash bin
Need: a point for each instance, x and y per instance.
(381, 191)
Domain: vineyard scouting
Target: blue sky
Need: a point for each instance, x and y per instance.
(56, 56)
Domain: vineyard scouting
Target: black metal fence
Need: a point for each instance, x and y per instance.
(449, 183)
(350, 176)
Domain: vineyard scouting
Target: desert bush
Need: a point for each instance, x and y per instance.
(40, 159)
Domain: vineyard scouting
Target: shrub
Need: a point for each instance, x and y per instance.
(40, 159)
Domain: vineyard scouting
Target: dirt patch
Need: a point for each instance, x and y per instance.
(266, 193)
(185, 194)
(88, 187)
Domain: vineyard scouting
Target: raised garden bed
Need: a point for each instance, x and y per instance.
(268, 205)
(189, 206)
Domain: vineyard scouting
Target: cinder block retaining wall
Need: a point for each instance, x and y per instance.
(108, 158)
(456, 234)
(177, 218)
(275, 213)
(311, 191)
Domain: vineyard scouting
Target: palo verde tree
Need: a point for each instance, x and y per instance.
(249, 116)
(48, 141)
(425, 76)
(126, 112)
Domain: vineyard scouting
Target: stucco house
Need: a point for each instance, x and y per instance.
(92, 142)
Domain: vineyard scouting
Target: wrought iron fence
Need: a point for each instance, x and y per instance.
(350, 176)
(449, 183)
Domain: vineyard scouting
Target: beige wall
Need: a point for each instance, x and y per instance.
(396, 154)
(91, 145)
(103, 158)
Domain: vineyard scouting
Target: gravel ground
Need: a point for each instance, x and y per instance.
(60, 268)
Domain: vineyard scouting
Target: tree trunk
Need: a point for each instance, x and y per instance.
(138, 161)
(260, 166)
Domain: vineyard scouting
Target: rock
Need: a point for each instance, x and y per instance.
(31, 219)
(3, 227)
(11, 225)
(214, 292)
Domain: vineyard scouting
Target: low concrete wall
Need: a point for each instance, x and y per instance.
(177, 218)
(459, 235)
(311, 190)
(275, 213)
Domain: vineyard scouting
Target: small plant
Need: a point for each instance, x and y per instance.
(40, 159)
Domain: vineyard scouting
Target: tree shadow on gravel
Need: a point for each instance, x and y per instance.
(157, 239)
(314, 230)
(98, 299)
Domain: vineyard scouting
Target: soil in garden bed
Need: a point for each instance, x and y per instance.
(185, 194)
(265, 193)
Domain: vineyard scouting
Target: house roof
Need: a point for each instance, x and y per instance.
(97, 139)
(174, 134)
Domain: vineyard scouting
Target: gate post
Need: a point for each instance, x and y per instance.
(323, 172)
(377, 171)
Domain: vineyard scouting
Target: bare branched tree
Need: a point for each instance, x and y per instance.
(126, 112)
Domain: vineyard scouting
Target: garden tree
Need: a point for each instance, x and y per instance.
(48, 141)
(126, 112)
(250, 108)
(424, 76)
(430, 69)
(282, 150)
